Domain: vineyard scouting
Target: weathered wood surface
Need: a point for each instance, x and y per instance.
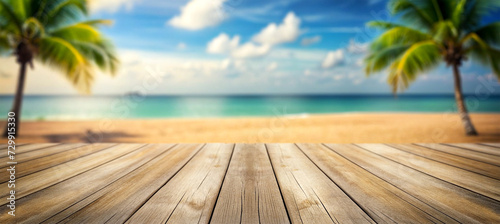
(254, 183)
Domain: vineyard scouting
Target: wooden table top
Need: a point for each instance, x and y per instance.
(253, 183)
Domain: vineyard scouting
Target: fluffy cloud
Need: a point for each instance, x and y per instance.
(262, 42)
(271, 67)
(199, 14)
(357, 48)
(333, 58)
(286, 32)
(311, 40)
(223, 44)
(110, 5)
(251, 50)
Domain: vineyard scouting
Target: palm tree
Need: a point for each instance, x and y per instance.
(54, 32)
(432, 31)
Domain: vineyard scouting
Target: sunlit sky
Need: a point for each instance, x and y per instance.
(242, 47)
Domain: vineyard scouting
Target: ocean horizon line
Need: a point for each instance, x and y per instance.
(261, 95)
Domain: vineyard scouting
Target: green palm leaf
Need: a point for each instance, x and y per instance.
(411, 12)
(62, 55)
(418, 58)
(379, 60)
(399, 35)
(490, 33)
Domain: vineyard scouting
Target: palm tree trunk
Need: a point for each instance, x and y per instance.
(18, 99)
(462, 109)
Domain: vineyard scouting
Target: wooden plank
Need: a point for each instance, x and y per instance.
(456, 161)
(384, 202)
(31, 155)
(23, 148)
(497, 145)
(486, 158)
(37, 181)
(472, 181)
(450, 199)
(122, 198)
(478, 148)
(60, 199)
(250, 192)
(4, 146)
(310, 196)
(39, 164)
(189, 197)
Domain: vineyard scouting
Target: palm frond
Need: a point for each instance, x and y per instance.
(78, 32)
(411, 12)
(379, 60)
(62, 55)
(420, 57)
(473, 12)
(457, 14)
(100, 54)
(490, 33)
(20, 8)
(9, 14)
(4, 44)
(485, 54)
(65, 12)
(383, 25)
(444, 31)
(400, 35)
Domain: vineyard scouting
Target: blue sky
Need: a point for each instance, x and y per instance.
(244, 47)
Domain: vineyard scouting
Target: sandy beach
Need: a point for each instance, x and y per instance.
(335, 128)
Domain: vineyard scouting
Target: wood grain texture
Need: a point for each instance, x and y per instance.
(31, 155)
(310, 196)
(452, 160)
(472, 181)
(384, 202)
(41, 163)
(250, 193)
(450, 199)
(23, 148)
(466, 153)
(479, 148)
(189, 197)
(497, 145)
(128, 194)
(34, 182)
(64, 198)
(255, 183)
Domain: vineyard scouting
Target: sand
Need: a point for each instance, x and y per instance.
(332, 128)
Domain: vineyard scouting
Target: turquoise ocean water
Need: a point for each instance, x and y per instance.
(134, 106)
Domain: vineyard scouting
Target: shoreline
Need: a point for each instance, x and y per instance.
(370, 127)
(300, 115)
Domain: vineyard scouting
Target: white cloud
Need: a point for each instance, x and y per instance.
(199, 14)
(271, 67)
(251, 50)
(311, 40)
(357, 48)
(223, 44)
(286, 32)
(110, 6)
(333, 58)
(181, 46)
(269, 36)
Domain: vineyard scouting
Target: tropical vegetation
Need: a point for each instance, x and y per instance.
(431, 32)
(57, 33)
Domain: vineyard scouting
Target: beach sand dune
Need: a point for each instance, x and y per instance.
(334, 128)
